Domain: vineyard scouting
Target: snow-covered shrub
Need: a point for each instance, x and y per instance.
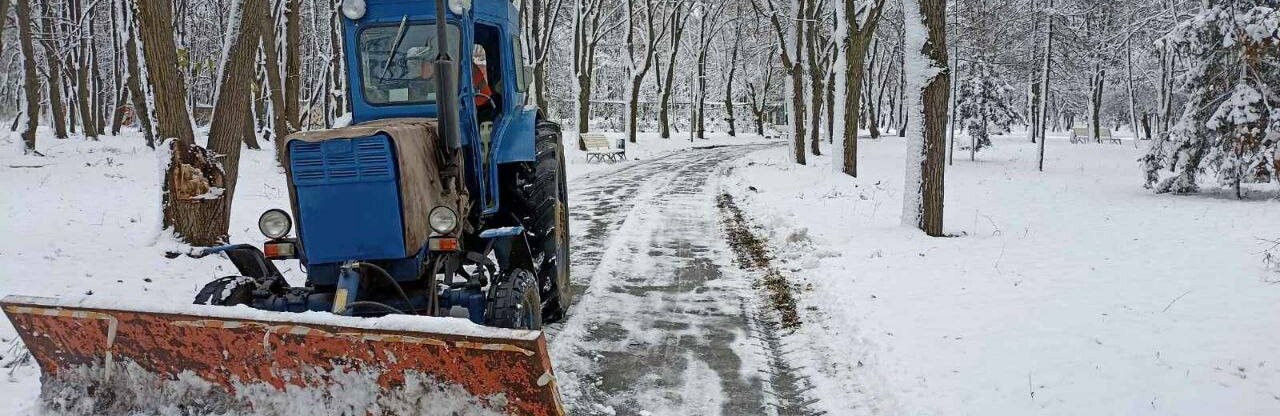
(984, 100)
(1231, 122)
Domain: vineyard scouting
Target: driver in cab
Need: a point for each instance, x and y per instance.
(423, 59)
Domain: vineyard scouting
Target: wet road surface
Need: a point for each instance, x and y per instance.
(665, 322)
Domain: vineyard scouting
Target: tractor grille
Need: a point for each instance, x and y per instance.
(341, 161)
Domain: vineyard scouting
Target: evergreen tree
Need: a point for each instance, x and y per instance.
(1231, 122)
(984, 100)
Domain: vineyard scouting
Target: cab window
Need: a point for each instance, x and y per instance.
(404, 75)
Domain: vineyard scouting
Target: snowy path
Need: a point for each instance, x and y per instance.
(665, 322)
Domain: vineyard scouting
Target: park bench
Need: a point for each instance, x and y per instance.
(598, 148)
(1082, 134)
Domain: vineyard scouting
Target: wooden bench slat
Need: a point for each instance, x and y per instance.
(598, 147)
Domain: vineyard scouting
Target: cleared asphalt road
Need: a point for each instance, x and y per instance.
(665, 322)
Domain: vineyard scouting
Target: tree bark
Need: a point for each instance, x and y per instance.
(637, 74)
(1044, 85)
(137, 95)
(4, 18)
(1095, 102)
(857, 38)
(54, 80)
(1133, 113)
(338, 76)
(81, 74)
(792, 63)
(924, 195)
(700, 80)
(586, 37)
(678, 19)
(728, 86)
(281, 125)
(816, 85)
(200, 183)
(293, 62)
(155, 27)
(30, 84)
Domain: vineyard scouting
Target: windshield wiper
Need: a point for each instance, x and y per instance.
(404, 21)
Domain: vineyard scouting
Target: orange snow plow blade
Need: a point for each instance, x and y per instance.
(96, 357)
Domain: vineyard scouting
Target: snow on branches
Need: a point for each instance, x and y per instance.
(1231, 123)
(985, 100)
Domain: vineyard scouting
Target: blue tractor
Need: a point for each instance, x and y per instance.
(440, 196)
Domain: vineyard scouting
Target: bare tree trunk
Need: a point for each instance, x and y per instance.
(338, 76)
(758, 100)
(1095, 101)
(1133, 113)
(1044, 84)
(857, 38)
(137, 95)
(4, 18)
(193, 178)
(955, 78)
(293, 62)
(923, 207)
(816, 87)
(80, 69)
(117, 68)
(677, 23)
(54, 80)
(100, 107)
(637, 73)
(30, 84)
(250, 132)
(543, 19)
(733, 70)
(700, 80)
(790, 52)
(281, 125)
(226, 131)
(1164, 114)
(155, 25)
(586, 37)
(873, 108)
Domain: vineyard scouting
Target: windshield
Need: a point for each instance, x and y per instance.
(404, 76)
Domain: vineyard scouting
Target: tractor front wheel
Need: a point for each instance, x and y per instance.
(514, 302)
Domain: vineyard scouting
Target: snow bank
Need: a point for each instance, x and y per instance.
(1071, 291)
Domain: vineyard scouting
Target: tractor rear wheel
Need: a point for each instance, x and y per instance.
(539, 198)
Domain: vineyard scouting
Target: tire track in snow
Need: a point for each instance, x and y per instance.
(665, 322)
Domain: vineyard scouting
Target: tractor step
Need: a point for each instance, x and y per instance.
(99, 357)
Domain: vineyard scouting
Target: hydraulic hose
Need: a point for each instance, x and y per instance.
(383, 272)
(371, 303)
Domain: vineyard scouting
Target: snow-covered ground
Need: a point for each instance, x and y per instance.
(1073, 291)
(85, 221)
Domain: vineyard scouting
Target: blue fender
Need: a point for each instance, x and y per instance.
(516, 142)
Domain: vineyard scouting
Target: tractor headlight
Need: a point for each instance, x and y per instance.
(353, 9)
(443, 220)
(275, 223)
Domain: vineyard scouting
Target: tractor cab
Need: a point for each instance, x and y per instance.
(390, 48)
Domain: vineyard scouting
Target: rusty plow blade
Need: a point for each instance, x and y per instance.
(97, 357)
